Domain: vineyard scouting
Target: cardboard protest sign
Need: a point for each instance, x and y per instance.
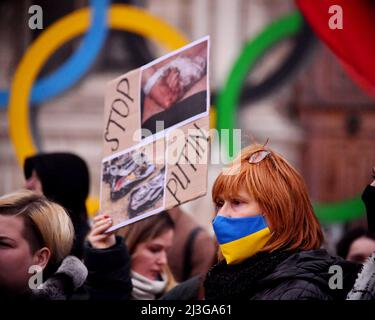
(187, 154)
(156, 136)
(121, 113)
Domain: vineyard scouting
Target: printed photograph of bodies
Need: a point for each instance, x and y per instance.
(133, 183)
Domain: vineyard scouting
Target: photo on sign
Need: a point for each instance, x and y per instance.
(175, 89)
(133, 182)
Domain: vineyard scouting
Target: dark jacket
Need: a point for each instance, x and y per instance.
(368, 198)
(65, 180)
(189, 290)
(108, 272)
(364, 287)
(280, 276)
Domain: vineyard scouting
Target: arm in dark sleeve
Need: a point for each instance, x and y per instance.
(108, 272)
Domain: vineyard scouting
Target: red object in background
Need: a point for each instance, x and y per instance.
(354, 44)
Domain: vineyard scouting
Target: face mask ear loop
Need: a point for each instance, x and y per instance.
(272, 232)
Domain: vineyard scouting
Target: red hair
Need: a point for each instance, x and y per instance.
(281, 193)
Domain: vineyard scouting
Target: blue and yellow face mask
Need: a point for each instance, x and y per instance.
(240, 238)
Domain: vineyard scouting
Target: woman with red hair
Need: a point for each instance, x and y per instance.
(269, 237)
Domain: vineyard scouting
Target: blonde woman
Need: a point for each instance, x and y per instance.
(36, 235)
(148, 242)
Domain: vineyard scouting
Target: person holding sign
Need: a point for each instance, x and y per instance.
(148, 242)
(109, 264)
(269, 237)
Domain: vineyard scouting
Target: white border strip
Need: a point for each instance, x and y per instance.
(135, 219)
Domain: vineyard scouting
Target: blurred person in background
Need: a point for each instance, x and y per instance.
(359, 243)
(362, 245)
(356, 245)
(63, 178)
(368, 198)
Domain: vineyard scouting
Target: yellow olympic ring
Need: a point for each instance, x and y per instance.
(123, 17)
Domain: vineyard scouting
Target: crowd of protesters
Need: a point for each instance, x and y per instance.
(268, 243)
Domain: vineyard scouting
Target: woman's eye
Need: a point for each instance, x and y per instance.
(154, 249)
(5, 245)
(219, 204)
(236, 202)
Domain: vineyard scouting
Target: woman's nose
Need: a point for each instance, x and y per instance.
(163, 260)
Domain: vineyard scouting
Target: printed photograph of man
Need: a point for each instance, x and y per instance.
(175, 89)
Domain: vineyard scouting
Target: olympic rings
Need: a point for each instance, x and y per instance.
(228, 97)
(77, 65)
(121, 17)
(135, 20)
(302, 44)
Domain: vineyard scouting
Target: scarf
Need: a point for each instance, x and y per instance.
(146, 289)
(238, 281)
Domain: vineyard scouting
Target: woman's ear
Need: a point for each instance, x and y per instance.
(41, 257)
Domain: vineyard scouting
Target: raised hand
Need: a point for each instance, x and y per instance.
(97, 238)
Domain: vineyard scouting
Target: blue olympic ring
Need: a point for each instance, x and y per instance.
(77, 65)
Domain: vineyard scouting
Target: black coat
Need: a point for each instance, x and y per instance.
(368, 198)
(108, 272)
(280, 276)
(188, 290)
